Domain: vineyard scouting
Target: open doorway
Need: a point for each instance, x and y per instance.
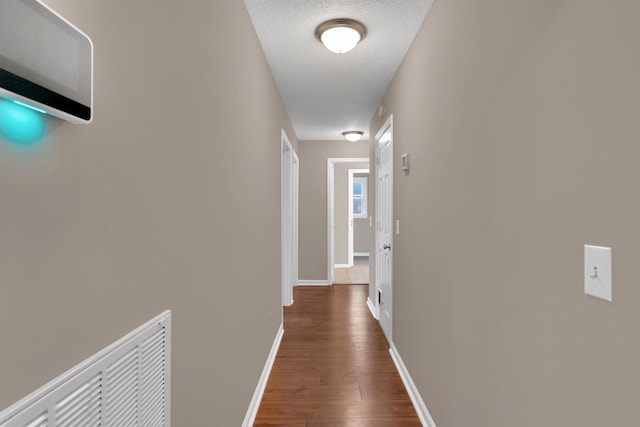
(348, 221)
(359, 223)
(356, 272)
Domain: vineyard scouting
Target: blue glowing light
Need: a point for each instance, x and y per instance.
(19, 123)
(24, 104)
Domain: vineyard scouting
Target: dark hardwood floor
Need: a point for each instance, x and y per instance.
(333, 368)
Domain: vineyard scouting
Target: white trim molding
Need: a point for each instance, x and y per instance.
(314, 283)
(342, 266)
(373, 309)
(252, 412)
(289, 218)
(361, 254)
(414, 394)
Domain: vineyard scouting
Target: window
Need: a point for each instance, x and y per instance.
(359, 200)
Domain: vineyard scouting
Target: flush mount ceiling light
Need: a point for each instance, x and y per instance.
(340, 35)
(352, 135)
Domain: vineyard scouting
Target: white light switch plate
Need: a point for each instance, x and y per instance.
(597, 272)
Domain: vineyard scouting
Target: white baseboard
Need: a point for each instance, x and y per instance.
(361, 254)
(372, 309)
(414, 394)
(342, 265)
(250, 417)
(314, 283)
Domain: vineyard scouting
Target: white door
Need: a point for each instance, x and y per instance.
(384, 226)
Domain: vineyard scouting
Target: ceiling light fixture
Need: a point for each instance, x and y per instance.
(352, 135)
(340, 35)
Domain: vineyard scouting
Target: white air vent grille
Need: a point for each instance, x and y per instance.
(152, 409)
(121, 391)
(41, 421)
(82, 406)
(124, 385)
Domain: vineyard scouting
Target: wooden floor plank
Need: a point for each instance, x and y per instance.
(333, 367)
(365, 422)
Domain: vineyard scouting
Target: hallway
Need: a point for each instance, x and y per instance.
(333, 367)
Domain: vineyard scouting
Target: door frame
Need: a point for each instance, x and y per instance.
(331, 163)
(289, 180)
(386, 127)
(351, 172)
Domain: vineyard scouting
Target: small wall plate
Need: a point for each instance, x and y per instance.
(597, 272)
(404, 162)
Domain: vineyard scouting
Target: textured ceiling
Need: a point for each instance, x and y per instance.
(325, 93)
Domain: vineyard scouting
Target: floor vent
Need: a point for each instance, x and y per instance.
(126, 384)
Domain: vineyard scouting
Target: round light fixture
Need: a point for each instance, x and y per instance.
(340, 35)
(352, 135)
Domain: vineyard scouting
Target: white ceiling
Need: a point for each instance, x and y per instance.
(326, 93)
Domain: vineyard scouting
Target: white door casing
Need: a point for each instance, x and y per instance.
(384, 226)
(350, 220)
(289, 224)
(295, 220)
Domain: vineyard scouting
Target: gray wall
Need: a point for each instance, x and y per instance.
(521, 118)
(361, 235)
(313, 157)
(152, 206)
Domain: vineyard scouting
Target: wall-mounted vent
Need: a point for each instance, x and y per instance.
(126, 384)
